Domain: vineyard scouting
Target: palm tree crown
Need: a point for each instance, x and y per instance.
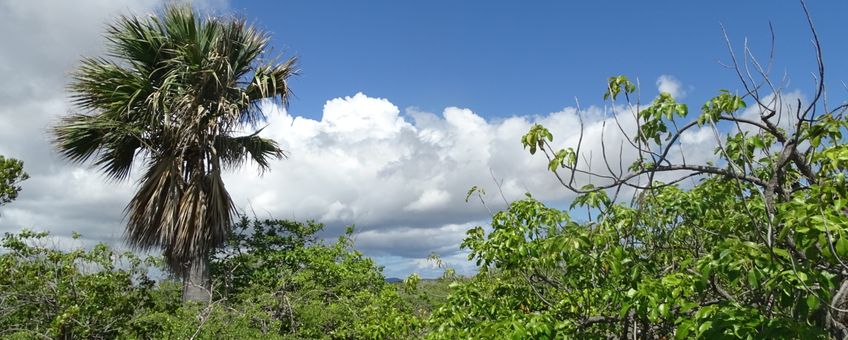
(173, 92)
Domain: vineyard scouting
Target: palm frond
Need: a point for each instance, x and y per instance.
(101, 85)
(184, 218)
(234, 151)
(78, 137)
(244, 45)
(269, 82)
(152, 210)
(116, 159)
(272, 81)
(137, 42)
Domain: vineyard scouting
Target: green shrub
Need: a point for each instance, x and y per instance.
(274, 279)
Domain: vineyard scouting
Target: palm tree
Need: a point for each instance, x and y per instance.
(172, 94)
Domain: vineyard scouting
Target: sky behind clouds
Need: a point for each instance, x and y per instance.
(401, 108)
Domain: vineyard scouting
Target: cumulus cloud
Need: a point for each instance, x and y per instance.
(415, 242)
(670, 84)
(430, 200)
(402, 178)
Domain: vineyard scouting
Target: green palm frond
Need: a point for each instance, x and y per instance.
(116, 159)
(138, 42)
(78, 137)
(104, 86)
(243, 44)
(236, 150)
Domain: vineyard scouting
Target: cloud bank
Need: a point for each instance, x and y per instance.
(401, 176)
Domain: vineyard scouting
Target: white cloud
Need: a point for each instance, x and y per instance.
(415, 242)
(363, 162)
(402, 178)
(670, 84)
(429, 200)
(696, 135)
(784, 103)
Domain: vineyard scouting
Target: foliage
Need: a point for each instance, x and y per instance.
(11, 175)
(175, 90)
(753, 248)
(275, 280)
(315, 290)
(426, 295)
(48, 293)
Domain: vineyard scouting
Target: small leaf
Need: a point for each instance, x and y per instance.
(663, 309)
(813, 302)
(682, 331)
(752, 278)
(842, 247)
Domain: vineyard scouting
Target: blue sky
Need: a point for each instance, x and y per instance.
(503, 58)
(403, 106)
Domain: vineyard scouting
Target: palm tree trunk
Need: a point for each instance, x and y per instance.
(196, 285)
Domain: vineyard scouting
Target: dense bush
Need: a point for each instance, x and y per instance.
(750, 243)
(11, 175)
(275, 279)
(48, 293)
(313, 290)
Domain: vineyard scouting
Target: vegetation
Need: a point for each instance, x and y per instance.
(754, 246)
(274, 279)
(748, 243)
(11, 175)
(175, 91)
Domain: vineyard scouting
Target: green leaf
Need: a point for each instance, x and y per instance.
(682, 331)
(813, 302)
(842, 247)
(752, 278)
